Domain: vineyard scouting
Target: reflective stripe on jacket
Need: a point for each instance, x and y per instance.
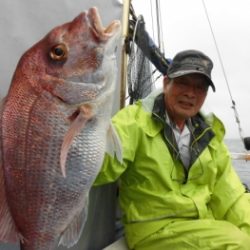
(155, 188)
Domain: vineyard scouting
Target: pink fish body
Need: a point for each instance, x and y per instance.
(53, 129)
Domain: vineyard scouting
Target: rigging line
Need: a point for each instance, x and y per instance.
(217, 49)
(139, 18)
(152, 19)
(152, 23)
(223, 70)
(161, 28)
(159, 25)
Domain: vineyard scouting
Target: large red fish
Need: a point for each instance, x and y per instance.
(54, 126)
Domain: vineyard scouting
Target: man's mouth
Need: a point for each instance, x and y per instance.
(186, 104)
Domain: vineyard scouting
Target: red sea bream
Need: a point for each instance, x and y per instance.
(54, 130)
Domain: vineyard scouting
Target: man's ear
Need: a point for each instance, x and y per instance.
(166, 80)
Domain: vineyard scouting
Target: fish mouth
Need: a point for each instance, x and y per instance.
(108, 36)
(102, 33)
(96, 81)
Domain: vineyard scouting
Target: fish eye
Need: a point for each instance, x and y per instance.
(59, 52)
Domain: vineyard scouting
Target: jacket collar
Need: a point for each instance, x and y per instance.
(201, 132)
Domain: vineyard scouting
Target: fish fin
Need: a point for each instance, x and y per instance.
(8, 231)
(73, 232)
(113, 146)
(77, 125)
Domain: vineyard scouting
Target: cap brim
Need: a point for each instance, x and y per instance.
(187, 72)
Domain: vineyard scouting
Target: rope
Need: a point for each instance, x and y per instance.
(152, 19)
(159, 25)
(224, 73)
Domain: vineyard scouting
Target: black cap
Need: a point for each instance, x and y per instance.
(189, 62)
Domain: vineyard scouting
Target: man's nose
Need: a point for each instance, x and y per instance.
(191, 90)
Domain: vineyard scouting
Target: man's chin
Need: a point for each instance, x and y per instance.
(185, 114)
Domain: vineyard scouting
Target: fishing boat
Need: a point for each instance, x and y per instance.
(139, 55)
(141, 59)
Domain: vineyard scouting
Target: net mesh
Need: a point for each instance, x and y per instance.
(140, 71)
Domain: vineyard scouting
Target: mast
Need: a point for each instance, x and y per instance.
(159, 26)
(124, 56)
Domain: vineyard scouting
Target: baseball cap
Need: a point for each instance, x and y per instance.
(189, 62)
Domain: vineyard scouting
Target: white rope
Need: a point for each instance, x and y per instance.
(224, 73)
(159, 26)
(152, 19)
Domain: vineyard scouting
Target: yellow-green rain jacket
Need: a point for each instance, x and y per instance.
(155, 188)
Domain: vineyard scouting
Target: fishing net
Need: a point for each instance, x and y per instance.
(139, 67)
(143, 54)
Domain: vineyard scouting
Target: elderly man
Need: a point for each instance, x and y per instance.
(178, 189)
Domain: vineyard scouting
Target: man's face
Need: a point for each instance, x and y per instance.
(184, 95)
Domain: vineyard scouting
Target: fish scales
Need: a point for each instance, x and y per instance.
(52, 102)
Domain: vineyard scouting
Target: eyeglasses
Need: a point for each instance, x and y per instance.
(200, 87)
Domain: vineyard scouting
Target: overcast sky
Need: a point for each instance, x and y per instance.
(185, 26)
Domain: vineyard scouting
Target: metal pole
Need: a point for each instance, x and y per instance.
(124, 56)
(240, 156)
(159, 31)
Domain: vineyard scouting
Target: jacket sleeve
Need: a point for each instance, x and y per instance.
(110, 171)
(239, 213)
(126, 128)
(229, 200)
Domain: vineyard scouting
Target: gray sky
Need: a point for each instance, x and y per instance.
(185, 26)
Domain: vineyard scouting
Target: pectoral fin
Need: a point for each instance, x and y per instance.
(85, 114)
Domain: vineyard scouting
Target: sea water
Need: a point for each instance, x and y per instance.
(242, 167)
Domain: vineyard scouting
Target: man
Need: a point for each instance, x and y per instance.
(178, 189)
